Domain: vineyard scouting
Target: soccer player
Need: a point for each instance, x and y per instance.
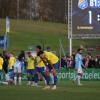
(11, 62)
(78, 66)
(17, 71)
(31, 70)
(40, 66)
(52, 64)
(38, 49)
(1, 66)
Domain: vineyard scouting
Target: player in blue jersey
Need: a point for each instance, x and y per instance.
(17, 71)
(78, 66)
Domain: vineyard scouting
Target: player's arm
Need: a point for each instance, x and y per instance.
(39, 60)
(44, 61)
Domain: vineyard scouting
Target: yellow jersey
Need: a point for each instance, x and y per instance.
(1, 63)
(11, 62)
(30, 63)
(51, 57)
(40, 63)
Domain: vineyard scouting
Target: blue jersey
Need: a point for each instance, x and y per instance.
(78, 61)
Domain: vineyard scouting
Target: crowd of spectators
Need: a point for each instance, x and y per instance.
(89, 61)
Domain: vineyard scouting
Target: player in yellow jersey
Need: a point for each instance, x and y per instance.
(31, 70)
(40, 66)
(1, 66)
(11, 62)
(52, 64)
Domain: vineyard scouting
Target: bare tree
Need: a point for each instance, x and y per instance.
(53, 10)
(48, 10)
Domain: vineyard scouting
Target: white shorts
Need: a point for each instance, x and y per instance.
(17, 69)
(79, 71)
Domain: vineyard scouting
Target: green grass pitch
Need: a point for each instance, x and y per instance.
(66, 91)
(25, 33)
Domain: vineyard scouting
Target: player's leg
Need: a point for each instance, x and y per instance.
(78, 79)
(28, 76)
(5, 83)
(19, 76)
(1, 81)
(42, 72)
(34, 77)
(15, 76)
(10, 77)
(10, 82)
(32, 80)
(55, 78)
(56, 66)
(51, 74)
(0, 75)
(15, 79)
(79, 75)
(47, 77)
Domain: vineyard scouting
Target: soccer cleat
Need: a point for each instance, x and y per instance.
(32, 84)
(54, 88)
(46, 88)
(36, 85)
(80, 84)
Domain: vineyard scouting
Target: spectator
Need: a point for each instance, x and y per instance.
(63, 62)
(97, 60)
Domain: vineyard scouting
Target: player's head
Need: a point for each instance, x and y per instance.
(80, 50)
(41, 54)
(19, 58)
(29, 54)
(38, 48)
(48, 48)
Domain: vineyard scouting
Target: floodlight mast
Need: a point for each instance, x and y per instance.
(70, 25)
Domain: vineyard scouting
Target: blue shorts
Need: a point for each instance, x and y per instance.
(10, 70)
(31, 71)
(40, 70)
(56, 66)
(11, 74)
